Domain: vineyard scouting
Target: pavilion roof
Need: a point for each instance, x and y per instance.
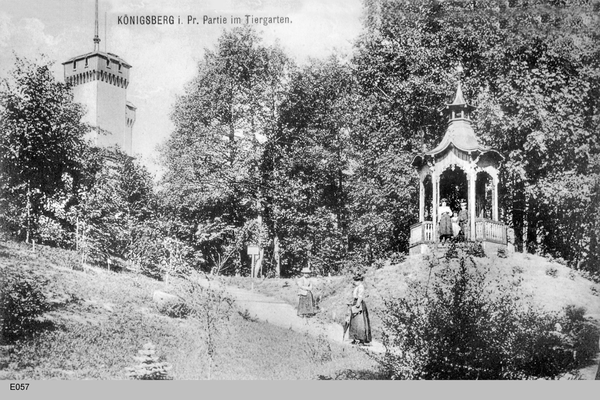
(459, 134)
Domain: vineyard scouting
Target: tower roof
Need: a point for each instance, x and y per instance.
(108, 56)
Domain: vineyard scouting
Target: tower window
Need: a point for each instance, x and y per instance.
(86, 62)
(74, 64)
(120, 67)
(107, 63)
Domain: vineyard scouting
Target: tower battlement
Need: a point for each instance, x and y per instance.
(104, 67)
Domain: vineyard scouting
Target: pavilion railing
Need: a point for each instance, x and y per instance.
(485, 230)
(490, 231)
(421, 232)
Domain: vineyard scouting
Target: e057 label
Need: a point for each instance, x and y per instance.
(19, 386)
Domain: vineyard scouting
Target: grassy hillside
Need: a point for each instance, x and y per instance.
(548, 284)
(98, 320)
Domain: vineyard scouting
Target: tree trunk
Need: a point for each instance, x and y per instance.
(277, 256)
(261, 251)
(77, 234)
(532, 225)
(28, 223)
(518, 212)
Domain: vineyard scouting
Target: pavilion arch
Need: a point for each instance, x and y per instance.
(454, 186)
(483, 195)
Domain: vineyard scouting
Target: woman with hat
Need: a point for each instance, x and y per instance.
(360, 325)
(306, 305)
(445, 227)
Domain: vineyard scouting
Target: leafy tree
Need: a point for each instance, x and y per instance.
(116, 212)
(212, 156)
(539, 110)
(42, 139)
(305, 168)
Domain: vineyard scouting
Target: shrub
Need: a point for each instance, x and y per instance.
(552, 271)
(397, 258)
(590, 276)
(574, 314)
(475, 249)
(452, 251)
(465, 327)
(456, 248)
(247, 316)
(581, 335)
(318, 350)
(22, 303)
(517, 269)
(211, 308)
(149, 367)
(174, 310)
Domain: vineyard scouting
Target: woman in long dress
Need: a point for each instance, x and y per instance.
(455, 225)
(360, 325)
(306, 304)
(445, 219)
(463, 220)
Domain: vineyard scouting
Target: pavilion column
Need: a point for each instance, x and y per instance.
(495, 199)
(471, 201)
(434, 206)
(421, 200)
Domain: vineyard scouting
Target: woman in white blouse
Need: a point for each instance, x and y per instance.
(360, 325)
(445, 222)
(306, 304)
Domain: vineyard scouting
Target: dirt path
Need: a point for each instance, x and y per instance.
(279, 313)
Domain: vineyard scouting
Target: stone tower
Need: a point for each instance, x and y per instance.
(100, 83)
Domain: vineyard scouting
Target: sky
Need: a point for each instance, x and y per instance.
(164, 57)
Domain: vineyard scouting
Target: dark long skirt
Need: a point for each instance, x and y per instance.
(464, 229)
(445, 225)
(306, 305)
(360, 325)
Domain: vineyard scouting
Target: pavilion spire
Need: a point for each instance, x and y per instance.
(459, 99)
(96, 37)
(459, 108)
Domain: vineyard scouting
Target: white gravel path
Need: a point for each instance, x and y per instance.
(279, 313)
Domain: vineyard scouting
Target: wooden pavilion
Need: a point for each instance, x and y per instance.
(459, 168)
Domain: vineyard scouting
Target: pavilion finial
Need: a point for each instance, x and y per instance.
(459, 108)
(459, 99)
(96, 37)
(459, 69)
